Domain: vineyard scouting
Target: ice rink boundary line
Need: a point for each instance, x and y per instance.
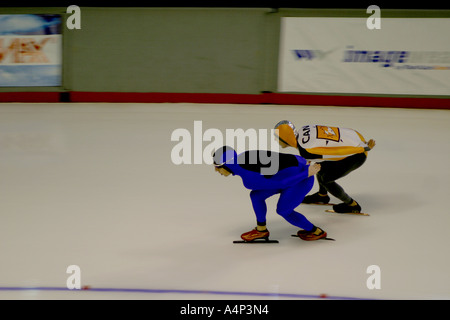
(187, 292)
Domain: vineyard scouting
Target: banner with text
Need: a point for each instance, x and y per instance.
(341, 55)
(30, 50)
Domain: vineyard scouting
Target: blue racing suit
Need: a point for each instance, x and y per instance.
(288, 176)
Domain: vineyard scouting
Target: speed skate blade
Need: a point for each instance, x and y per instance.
(331, 239)
(320, 204)
(355, 213)
(256, 241)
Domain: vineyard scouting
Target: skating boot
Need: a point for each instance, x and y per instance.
(316, 198)
(315, 234)
(255, 235)
(347, 208)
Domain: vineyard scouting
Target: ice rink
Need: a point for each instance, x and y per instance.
(94, 185)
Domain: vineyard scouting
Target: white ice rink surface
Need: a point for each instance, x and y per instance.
(94, 185)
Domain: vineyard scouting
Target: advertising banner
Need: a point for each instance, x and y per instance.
(30, 50)
(342, 55)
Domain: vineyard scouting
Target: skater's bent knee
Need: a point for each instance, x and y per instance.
(326, 179)
(284, 211)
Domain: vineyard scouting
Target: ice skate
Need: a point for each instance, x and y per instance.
(316, 198)
(346, 208)
(255, 236)
(315, 234)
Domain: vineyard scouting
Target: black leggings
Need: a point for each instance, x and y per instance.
(332, 170)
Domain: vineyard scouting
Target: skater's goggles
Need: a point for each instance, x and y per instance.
(224, 156)
(218, 165)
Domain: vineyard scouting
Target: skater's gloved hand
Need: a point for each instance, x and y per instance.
(370, 145)
(313, 169)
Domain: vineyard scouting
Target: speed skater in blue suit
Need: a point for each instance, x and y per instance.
(267, 173)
